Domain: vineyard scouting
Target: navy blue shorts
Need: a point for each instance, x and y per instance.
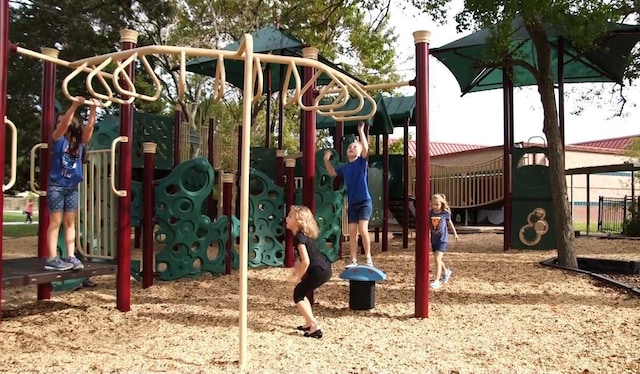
(359, 212)
(439, 247)
(62, 199)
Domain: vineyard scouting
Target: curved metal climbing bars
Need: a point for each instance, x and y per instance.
(113, 85)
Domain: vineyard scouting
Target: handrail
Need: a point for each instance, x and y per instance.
(123, 139)
(14, 154)
(32, 171)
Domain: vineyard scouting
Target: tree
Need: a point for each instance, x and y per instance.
(583, 23)
(396, 146)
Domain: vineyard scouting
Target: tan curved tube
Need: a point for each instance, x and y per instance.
(32, 169)
(14, 155)
(123, 139)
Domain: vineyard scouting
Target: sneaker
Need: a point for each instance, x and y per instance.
(352, 264)
(368, 261)
(435, 285)
(57, 264)
(447, 275)
(77, 264)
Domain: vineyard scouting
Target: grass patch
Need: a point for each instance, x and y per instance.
(19, 231)
(582, 226)
(15, 217)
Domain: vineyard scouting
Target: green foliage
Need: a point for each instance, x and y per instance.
(397, 147)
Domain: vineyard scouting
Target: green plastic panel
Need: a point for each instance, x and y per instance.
(396, 164)
(532, 218)
(146, 128)
(156, 129)
(264, 160)
(266, 222)
(193, 244)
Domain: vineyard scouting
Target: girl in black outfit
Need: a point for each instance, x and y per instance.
(312, 268)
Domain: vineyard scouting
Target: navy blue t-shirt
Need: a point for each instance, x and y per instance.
(439, 226)
(355, 178)
(66, 168)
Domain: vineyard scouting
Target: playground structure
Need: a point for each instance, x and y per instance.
(116, 193)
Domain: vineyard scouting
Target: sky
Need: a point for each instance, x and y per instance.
(476, 118)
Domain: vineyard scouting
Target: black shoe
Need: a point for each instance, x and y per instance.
(89, 283)
(316, 334)
(302, 328)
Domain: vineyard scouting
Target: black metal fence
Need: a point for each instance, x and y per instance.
(613, 211)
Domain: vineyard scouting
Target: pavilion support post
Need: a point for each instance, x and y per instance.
(405, 195)
(385, 192)
(588, 202)
(507, 151)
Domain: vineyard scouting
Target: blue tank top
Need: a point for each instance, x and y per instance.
(66, 168)
(356, 178)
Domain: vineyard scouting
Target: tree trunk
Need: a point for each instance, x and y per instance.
(562, 212)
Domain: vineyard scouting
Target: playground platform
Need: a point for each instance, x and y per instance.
(28, 271)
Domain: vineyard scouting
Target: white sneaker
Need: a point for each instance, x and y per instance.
(447, 275)
(353, 263)
(435, 285)
(368, 261)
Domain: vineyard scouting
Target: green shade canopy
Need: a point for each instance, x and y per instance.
(392, 111)
(464, 58)
(267, 40)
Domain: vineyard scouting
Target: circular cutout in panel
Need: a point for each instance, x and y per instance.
(195, 246)
(256, 187)
(161, 267)
(180, 247)
(255, 239)
(161, 237)
(279, 254)
(181, 206)
(173, 220)
(202, 233)
(171, 189)
(213, 251)
(197, 263)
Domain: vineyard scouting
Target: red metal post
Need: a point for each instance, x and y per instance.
(46, 129)
(137, 234)
(280, 167)
(337, 145)
(128, 39)
(423, 192)
(385, 192)
(177, 123)
(211, 155)
(4, 70)
(227, 202)
(148, 198)
(405, 179)
(289, 199)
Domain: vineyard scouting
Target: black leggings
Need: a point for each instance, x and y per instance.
(314, 278)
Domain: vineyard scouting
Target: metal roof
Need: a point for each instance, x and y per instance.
(621, 143)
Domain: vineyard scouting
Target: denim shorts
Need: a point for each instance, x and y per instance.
(439, 247)
(359, 212)
(62, 199)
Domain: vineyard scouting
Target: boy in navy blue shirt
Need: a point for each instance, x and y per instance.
(354, 173)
